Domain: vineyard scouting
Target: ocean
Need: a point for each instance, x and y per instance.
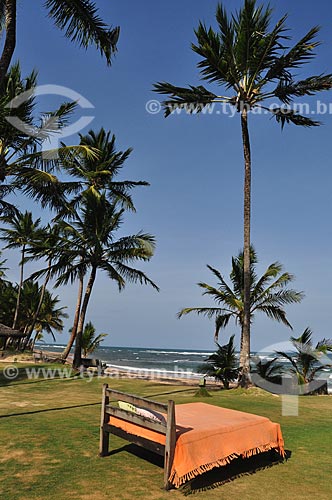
(152, 361)
(171, 362)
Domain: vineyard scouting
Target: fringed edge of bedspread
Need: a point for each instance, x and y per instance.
(179, 481)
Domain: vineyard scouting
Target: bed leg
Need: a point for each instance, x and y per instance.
(170, 444)
(104, 435)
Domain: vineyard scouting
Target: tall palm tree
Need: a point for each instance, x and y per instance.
(78, 19)
(250, 58)
(268, 295)
(47, 244)
(307, 361)
(95, 247)
(20, 232)
(60, 252)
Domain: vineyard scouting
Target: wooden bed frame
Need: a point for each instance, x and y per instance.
(167, 428)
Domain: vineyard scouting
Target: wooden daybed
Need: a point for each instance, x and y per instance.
(193, 438)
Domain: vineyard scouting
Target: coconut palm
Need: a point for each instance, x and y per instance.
(222, 365)
(268, 294)
(251, 59)
(25, 164)
(307, 360)
(60, 252)
(50, 317)
(97, 174)
(91, 341)
(20, 232)
(79, 20)
(94, 247)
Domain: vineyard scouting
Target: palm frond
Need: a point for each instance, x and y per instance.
(217, 64)
(301, 53)
(290, 359)
(192, 99)
(131, 274)
(209, 312)
(286, 115)
(304, 338)
(276, 313)
(286, 91)
(324, 345)
(222, 321)
(80, 21)
(223, 284)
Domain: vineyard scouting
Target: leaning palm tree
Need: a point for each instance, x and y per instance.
(95, 247)
(60, 252)
(252, 60)
(91, 341)
(222, 365)
(20, 232)
(307, 360)
(268, 295)
(78, 19)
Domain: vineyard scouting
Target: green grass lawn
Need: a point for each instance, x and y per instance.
(49, 432)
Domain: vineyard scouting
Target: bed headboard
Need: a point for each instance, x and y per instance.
(167, 427)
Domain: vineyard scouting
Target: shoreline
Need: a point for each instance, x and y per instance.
(159, 376)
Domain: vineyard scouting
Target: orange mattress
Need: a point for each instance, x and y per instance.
(209, 436)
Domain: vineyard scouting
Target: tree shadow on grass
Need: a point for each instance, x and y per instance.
(48, 410)
(217, 476)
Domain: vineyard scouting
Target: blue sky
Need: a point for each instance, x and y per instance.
(195, 167)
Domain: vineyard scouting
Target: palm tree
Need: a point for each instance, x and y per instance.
(307, 360)
(269, 369)
(22, 231)
(94, 246)
(8, 299)
(78, 19)
(91, 342)
(223, 364)
(96, 174)
(250, 59)
(268, 295)
(3, 269)
(50, 317)
(23, 165)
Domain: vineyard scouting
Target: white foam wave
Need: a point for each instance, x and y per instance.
(155, 371)
(180, 353)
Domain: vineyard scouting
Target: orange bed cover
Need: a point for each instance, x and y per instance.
(209, 436)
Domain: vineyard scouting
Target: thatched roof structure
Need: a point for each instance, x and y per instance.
(6, 331)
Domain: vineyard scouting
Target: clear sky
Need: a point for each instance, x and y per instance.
(195, 167)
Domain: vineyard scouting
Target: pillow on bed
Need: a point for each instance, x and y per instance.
(127, 407)
(151, 414)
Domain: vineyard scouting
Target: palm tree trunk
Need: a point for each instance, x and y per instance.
(78, 343)
(245, 334)
(18, 300)
(76, 318)
(10, 42)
